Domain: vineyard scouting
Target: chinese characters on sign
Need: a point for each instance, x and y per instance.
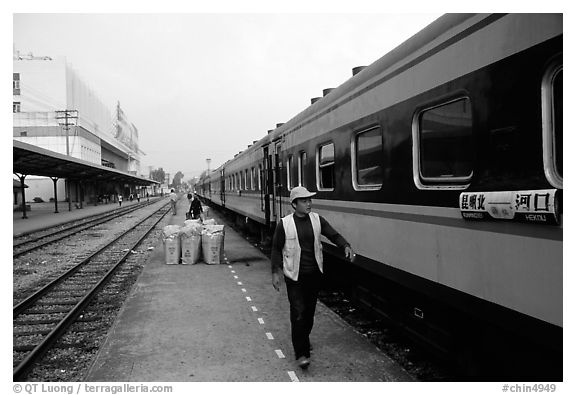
(532, 206)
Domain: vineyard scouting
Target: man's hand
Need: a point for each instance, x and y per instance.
(349, 253)
(276, 281)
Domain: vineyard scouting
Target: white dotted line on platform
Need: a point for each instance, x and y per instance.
(269, 336)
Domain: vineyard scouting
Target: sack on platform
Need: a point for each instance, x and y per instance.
(213, 244)
(191, 242)
(171, 241)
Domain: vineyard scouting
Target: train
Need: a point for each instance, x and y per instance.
(441, 163)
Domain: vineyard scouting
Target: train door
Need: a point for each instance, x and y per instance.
(266, 187)
(277, 190)
(222, 189)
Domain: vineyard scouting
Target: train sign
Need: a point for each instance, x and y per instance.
(526, 206)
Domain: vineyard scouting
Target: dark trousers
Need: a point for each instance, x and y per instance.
(303, 295)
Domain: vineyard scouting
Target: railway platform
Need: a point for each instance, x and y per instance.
(226, 323)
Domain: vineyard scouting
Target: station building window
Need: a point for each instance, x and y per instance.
(367, 159)
(553, 133)
(442, 148)
(15, 83)
(325, 167)
(16, 106)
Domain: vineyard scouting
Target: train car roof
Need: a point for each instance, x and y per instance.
(408, 47)
(402, 51)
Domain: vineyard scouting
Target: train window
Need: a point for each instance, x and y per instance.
(442, 149)
(367, 159)
(301, 167)
(289, 172)
(325, 166)
(247, 180)
(552, 133)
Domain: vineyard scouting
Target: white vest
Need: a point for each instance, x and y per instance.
(291, 250)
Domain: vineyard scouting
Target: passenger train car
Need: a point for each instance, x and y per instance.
(441, 163)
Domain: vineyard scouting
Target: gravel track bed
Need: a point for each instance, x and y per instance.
(31, 271)
(73, 355)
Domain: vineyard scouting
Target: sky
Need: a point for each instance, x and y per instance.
(205, 85)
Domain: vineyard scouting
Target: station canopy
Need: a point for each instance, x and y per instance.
(32, 160)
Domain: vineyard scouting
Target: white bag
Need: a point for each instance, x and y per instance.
(171, 241)
(213, 244)
(191, 242)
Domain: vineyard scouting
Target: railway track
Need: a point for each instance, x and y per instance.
(28, 242)
(41, 319)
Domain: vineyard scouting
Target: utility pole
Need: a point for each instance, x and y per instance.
(66, 115)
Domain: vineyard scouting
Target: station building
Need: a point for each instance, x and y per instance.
(54, 109)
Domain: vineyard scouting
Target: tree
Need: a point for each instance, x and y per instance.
(158, 175)
(177, 180)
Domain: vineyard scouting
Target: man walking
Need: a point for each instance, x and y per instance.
(297, 252)
(173, 198)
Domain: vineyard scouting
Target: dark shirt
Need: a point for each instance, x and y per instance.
(306, 239)
(196, 206)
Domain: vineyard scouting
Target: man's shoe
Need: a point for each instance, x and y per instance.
(303, 362)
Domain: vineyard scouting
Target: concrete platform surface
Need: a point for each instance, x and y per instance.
(226, 323)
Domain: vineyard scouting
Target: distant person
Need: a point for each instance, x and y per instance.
(120, 200)
(147, 197)
(297, 252)
(173, 198)
(138, 197)
(195, 207)
(131, 197)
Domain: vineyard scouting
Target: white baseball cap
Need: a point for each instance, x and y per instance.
(300, 193)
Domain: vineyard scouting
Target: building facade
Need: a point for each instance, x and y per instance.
(55, 109)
